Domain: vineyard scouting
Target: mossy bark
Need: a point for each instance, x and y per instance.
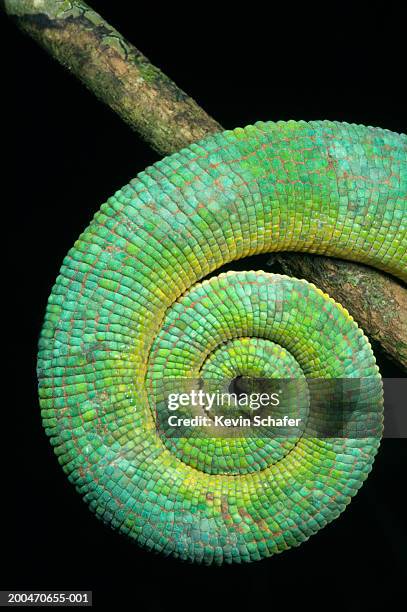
(115, 71)
(168, 119)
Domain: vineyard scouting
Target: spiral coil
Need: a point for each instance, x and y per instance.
(128, 313)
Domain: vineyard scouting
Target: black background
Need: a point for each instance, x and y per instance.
(65, 153)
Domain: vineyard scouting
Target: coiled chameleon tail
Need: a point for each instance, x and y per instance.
(126, 312)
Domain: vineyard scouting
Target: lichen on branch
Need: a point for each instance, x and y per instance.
(115, 71)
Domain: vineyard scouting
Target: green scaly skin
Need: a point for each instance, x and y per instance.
(126, 313)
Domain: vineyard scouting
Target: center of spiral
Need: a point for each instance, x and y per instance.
(212, 345)
(238, 386)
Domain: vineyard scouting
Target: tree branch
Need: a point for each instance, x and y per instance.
(376, 301)
(151, 104)
(115, 71)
